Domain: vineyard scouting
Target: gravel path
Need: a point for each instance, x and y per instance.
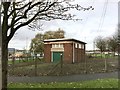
(71, 78)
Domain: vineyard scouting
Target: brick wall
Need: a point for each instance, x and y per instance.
(47, 52)
(68, 53)
(79, 54)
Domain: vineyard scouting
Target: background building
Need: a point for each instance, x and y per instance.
(72, 50)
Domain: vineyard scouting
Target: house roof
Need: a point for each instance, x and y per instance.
(63, 39)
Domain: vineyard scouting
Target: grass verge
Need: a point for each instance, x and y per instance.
(99, 83)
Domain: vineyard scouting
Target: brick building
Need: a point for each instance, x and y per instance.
(72, 50)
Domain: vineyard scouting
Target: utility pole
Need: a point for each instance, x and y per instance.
(0, 51)
(119, 42)
(0, 67)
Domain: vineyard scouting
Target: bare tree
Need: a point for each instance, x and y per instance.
(100, 44)
(113, 43)
(18, 14)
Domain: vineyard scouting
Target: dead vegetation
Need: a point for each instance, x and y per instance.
(93, 65)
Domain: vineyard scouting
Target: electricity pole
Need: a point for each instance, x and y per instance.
(0, 51)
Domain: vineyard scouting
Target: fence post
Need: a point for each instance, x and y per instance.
(13, 63)
(85, 64)
(106, 53)
(35, 64)
(61, 55)
(105, 65)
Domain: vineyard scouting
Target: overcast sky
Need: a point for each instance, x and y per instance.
(84, 30)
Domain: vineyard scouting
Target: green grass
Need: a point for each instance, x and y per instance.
(99, 83)
(104, 56)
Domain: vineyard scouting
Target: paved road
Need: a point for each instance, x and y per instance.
(71, 78)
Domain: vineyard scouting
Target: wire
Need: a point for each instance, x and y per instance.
(102, 16)
(88, 14)
(87, 18)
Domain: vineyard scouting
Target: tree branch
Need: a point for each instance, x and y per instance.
(18, 9)
(25, 13)
(28, 22)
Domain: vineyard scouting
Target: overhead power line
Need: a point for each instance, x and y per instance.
(103, 16)
(88, 15)
(86, 19)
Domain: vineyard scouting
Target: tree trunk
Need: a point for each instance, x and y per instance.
(4, 65)
(5, 45)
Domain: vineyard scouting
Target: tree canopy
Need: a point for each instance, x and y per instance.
(100, 43)
(112, 44)
(108, 43)
(54, 34)
(37, 44)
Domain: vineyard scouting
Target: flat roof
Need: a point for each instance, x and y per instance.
(64, 39)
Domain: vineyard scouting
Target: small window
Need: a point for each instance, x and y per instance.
(79, 45)
(61, 45)
(53, 45)
(76, 45)
(57, 45)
